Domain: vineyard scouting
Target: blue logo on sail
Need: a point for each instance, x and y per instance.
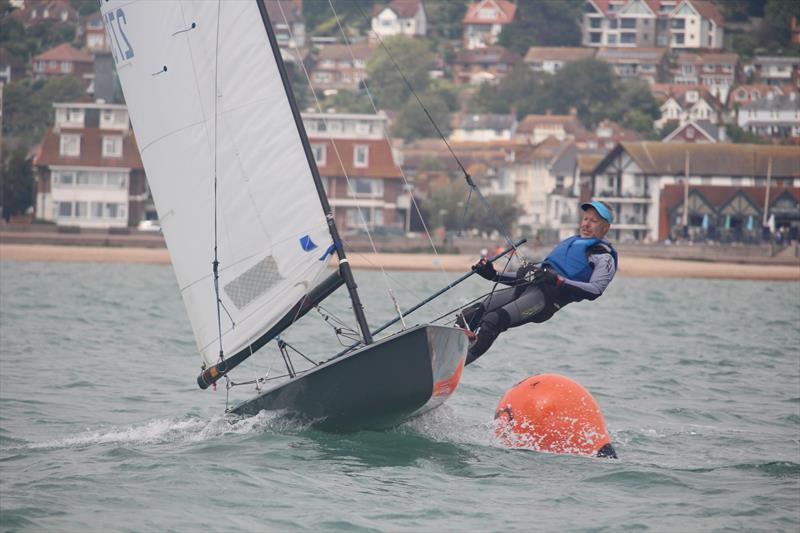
(307, 244)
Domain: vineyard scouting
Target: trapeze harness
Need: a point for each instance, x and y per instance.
(587, 265)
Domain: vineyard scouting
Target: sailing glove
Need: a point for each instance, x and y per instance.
(545, 276)
(485, 270)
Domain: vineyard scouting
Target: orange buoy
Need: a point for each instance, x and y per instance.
(552, 413)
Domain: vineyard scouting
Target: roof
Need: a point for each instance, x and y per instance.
(402, 8)
(91, 150)
(558, 53)
(64, 52)
(769, 60)
(774, 102)
(719, 195)
(380, 160)
(486, 121)
(491, 55)
(284, 11)
(342, 51)
(676, 90)
(530, 122)
(613, 55)
(705, 8)
(709, 130)
(505, 9)
(707, 58)
(726, 159)
(708, 9)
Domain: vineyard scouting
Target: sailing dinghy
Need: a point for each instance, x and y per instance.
(245, 215)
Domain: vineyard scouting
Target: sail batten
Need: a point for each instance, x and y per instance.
(267, 198)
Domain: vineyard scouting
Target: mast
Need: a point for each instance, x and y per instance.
(344, 265)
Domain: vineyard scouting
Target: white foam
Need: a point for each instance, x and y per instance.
(170, 430)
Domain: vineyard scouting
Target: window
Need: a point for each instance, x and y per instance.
(70, 144)
(612, 39)
(595, 22)
(361, 156)
(690, 133)
(97, 209)
(613, 23)
(628, 38)
(627, 23)
(66, 67)
(65, 209)
(595, 37)
(367, 187)
(320, 152)
(63, 178)
(112, 146)
(678, 38)
(370, 217)
(677, 24)
(81, 209)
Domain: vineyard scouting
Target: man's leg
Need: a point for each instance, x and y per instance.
(513, 312)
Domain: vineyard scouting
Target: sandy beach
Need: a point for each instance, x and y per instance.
(629, 266)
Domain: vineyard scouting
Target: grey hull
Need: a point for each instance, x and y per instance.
(379, 385)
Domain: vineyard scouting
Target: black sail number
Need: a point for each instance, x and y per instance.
(121, 49)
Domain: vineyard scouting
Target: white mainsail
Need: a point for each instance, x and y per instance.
(201, 83)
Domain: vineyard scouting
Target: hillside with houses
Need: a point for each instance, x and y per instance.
(684, 115)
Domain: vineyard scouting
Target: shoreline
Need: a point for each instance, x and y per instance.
(630, 266)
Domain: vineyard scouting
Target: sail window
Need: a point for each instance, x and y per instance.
(254, 282)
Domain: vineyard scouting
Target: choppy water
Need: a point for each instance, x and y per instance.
(103, 428)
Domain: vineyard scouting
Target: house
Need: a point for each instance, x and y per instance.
(715, 71)
(287, 22)
(63, 60)
(484, 20)
(648, 64)
(687, 103)
(533, 129)
(632, 178)
(728, 213)
(775, 116)
(364, 184)
(483, 128)
(95, 34)
(88, 170)
(677, 24)
(399, 17)
(696, 131)
(341, 66)
(490, 64)
(776, 70)
(551, 59)
(39, 11)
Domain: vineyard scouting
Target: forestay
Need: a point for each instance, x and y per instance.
(272, 233)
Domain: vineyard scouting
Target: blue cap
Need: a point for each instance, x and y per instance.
(601, 210)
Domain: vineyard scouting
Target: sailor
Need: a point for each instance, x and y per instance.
(578, 268)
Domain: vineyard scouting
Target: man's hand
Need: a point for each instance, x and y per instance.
(545, 276)
(484, 269)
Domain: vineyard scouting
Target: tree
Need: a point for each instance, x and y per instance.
(445, 208)
(321, 20)
(543, 23)
(448, 16)
(739, 135)
(520, 89)
(29, 106)
(587, 85)
(413, 123)
(348, 102)
(411, 57)
(775, 31)
(17, 186)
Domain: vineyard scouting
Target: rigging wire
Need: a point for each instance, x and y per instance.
(215, 264)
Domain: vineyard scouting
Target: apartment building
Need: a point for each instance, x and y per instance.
(676, 24)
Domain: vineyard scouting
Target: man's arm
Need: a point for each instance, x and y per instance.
(602, 275)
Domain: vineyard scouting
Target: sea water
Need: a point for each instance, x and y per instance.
(102, 427)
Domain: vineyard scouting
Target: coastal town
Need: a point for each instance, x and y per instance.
(684, 115)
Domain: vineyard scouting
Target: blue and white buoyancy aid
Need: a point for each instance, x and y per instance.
(571, 257)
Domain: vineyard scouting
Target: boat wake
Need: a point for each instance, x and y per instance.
(175, 431)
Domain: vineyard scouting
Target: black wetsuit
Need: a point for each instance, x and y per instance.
(524, 302)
